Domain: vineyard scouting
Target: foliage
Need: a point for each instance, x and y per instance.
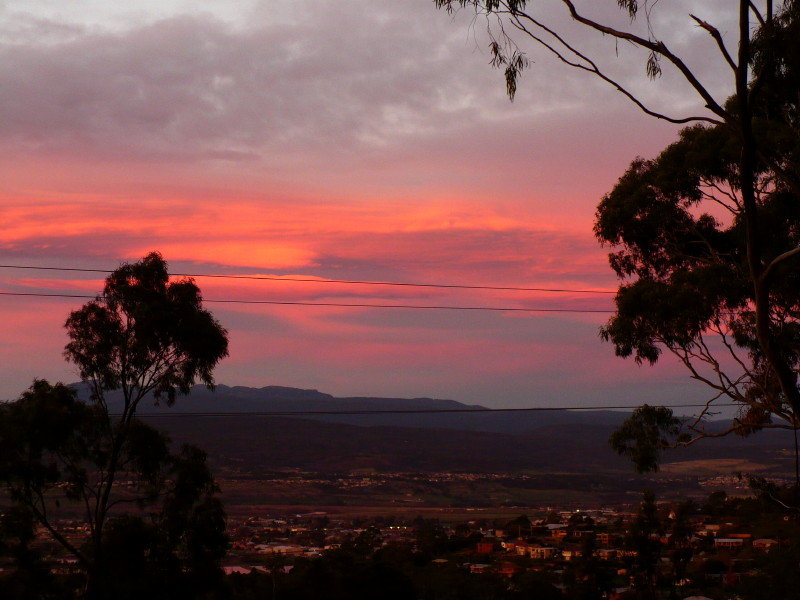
(153, 519)
(31, 578)
(588, 578)
(680, 533)
(705, 236)
(684, 241)
(645, 434)
(174, 552)
(687, 274)
(644, 539)
(53, 446)
(395, 571)
(145, 334)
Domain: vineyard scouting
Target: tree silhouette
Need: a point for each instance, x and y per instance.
(165, 528)
(687, 275)
(31, 578)
(143, 335)
(644, 538)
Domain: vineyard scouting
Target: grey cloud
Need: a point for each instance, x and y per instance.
(191, 86)
(337, 78)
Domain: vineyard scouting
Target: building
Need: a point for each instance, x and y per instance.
(764, 544)
(541, 552)
(730, 543)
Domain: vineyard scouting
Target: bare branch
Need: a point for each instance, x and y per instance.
(734, 210)
(778, 260)
(738, 426)
(657, 47)
(41, 516)
(591, 67)
(714, 32)
(737, 207)
(758, 14)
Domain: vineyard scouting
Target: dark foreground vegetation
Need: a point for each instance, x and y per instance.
(149, 515)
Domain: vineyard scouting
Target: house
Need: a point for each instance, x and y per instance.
(580, 533)
(709, 530)
(730, 543)
(522, 548)
(764, 544)
(570, 553)
(479, 568)
(605, 539)
(541, 552)
(621, 593)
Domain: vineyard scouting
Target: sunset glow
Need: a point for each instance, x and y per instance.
(240, 140)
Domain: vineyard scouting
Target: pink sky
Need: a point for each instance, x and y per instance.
(357, 140)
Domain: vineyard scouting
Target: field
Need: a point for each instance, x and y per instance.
(716, 466)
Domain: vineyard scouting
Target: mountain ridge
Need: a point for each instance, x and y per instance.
(243, 399)
(486, 441)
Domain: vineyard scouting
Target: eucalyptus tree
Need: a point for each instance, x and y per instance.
(705, 236)
(143, 337)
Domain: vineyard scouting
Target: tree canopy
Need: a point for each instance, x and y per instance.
(155, 524)
(705, 236)
(683, 245)
(144, 334)
(161, 531)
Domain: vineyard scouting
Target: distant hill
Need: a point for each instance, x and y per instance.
(575, 441)
(239, 399)
(262, 444)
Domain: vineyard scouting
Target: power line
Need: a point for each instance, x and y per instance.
(342, 281)
(288, 413)
(344, 304)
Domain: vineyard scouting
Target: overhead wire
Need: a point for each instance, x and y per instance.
(344, 304)
(362, 305)
(339, 281)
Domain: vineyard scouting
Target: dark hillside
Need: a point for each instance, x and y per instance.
(256, 444)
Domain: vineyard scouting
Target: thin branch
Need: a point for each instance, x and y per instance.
(758, 14)
(714, 32)
(712, 198)
(738, 426)
(781, 502)
(41, 516)
(683, 356)
(657, 47)
(592, 67)
(704, 412)
(724, 338)
(778, 260)
(728, 194)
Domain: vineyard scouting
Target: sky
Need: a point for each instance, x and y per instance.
(333, 139)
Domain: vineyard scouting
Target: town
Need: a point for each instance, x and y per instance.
(717, 547)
